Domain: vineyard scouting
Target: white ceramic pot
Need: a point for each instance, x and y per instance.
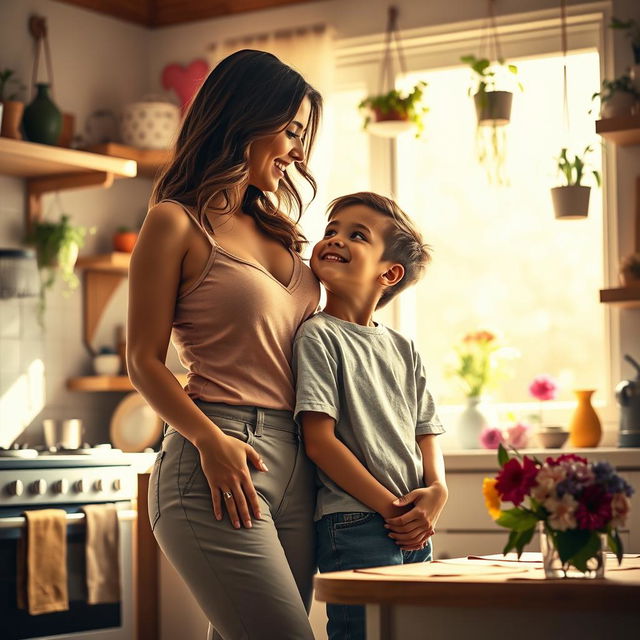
(107, 364)
(621, 103)
(150, 125)
(571, 202)
(470, 425)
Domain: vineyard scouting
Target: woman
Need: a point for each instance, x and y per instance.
(217, 262)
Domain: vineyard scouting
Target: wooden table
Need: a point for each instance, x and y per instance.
(488, 598)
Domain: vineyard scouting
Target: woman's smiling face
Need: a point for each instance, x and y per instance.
(270, 156)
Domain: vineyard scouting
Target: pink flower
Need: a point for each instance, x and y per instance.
(594, 508)
(543, 388)
(566, 457)
(518, 435)
(620, 506)
(546, 481)
(561, 512)
(491, 437)
(515, 480)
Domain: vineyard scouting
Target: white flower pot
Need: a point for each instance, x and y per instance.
(150, 125)
(470, 424)
(621, 103)
(107, 364)
(571, 202)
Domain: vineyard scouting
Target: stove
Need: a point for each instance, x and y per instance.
(67, 480)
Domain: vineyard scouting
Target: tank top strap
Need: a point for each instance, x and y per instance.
(195, 220)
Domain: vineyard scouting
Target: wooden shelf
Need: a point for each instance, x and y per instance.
(115, 262)
(627, 297)
(30, 160)
(623, 130)
(108, 383)
(149, 161)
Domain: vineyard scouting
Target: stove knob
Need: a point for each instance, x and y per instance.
(39, 487)
(15, 488)
(80, 486)
(98, 485)
(117, 484)
(61, 486)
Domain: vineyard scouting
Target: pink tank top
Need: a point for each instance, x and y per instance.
(233, 329)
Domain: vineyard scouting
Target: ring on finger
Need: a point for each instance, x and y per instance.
(227, 495)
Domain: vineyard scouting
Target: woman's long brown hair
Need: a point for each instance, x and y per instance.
(248, 95)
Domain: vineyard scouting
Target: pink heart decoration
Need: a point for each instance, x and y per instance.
(185, 81)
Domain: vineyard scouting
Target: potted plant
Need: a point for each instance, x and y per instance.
(630, 270)
(493, 106)
(392, 113)
(572, 199)
(11, 107)
(57, 245)
(124, 239)
(632, 29)
(617, 97)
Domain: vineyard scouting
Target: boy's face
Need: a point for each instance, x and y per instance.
(348, 259)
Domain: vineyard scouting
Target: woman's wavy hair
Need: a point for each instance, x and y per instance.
(248, 95)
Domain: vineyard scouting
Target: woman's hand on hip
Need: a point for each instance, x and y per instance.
(224, 461)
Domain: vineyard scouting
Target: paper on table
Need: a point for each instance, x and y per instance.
(526, 556)
(442, 569)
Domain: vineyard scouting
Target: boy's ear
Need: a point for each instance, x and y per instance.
(392, 275)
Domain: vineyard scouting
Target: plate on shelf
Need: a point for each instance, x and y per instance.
(134, 424)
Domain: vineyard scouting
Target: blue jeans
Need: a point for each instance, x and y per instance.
(356, 541)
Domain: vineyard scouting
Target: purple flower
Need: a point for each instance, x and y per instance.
(491, 438)
(543, 387)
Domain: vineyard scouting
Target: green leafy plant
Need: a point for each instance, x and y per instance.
(632, 29)
(396, 106)
(573, 170)
(6, 80)
(488, 75)
(621, 84)
(57, 245)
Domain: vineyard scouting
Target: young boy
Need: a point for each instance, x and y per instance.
(368, 420)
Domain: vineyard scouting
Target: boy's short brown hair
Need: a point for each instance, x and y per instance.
(404, 244)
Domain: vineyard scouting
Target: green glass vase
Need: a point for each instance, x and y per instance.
(42, 121)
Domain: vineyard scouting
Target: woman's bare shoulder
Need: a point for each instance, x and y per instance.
(168, 216)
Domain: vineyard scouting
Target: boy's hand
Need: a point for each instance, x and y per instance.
(412, 530)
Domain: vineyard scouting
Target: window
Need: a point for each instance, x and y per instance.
(501, 260)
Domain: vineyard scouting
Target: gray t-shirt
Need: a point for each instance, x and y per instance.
(372, 382)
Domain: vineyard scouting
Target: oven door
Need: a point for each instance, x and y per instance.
(88, 622)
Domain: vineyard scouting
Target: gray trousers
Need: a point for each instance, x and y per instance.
(256, 583)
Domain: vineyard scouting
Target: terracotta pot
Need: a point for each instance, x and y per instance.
(12, 111)
(571, 202)
(493, 107)
(125, 241)
(585, 429)
(68, 128)
(389, 115)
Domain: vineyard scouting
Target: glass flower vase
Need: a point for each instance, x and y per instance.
(554, 567)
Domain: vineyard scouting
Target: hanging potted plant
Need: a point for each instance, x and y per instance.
(392, 113)
(572, 199)
(11, 107)
(631, 28)
(617, 97)
(57, 245)
(493, 106)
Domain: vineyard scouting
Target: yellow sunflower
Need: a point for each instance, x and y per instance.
(491, 497)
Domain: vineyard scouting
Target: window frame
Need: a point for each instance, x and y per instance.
(530, 34)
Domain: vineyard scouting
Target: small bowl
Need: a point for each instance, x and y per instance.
(552, 438)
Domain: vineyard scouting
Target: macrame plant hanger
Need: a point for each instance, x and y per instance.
(390, 128)
(38, 30)
(565, 91)
(489, 41)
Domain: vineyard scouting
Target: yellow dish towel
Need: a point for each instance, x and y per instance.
(102, 553)
(42, 562)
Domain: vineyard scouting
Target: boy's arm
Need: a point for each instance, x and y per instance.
(342, 466)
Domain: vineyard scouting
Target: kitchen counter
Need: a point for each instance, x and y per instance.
(487, 460)
(476, 598)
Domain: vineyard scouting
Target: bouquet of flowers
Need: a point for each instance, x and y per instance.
(480, 362)
(576, 503)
